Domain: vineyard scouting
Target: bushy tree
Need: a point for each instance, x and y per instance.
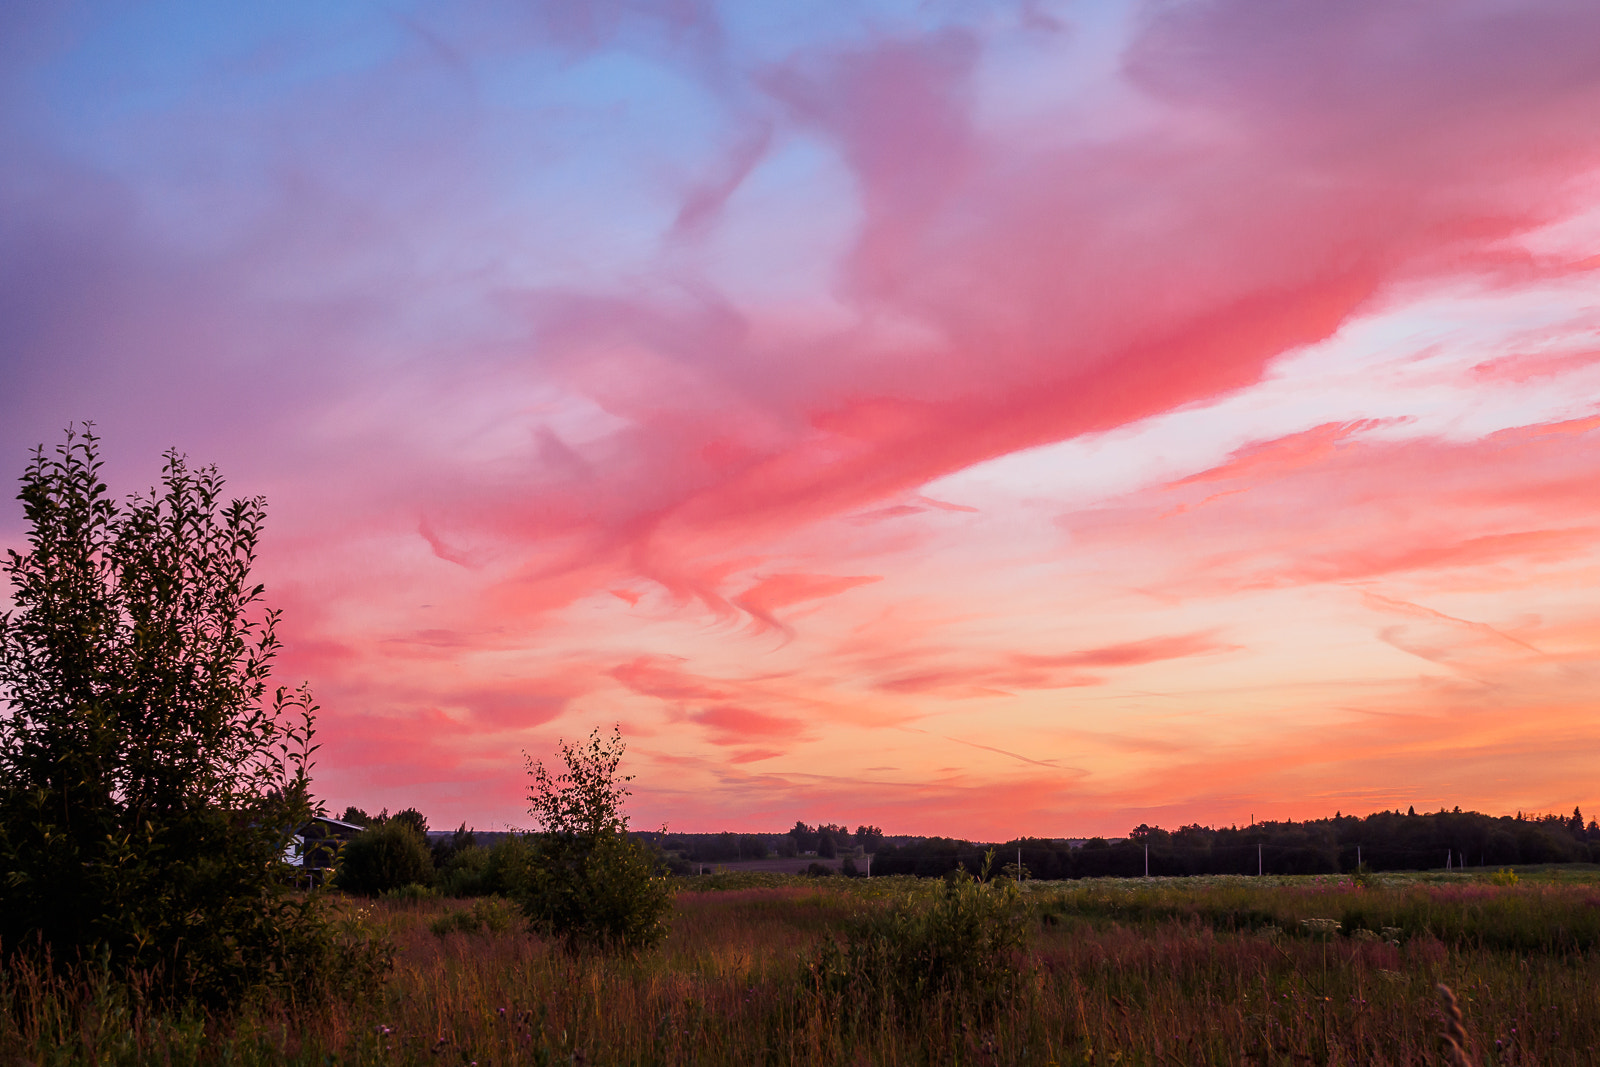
(356, 816)
(413, 818)
(388, 856)
(149, 778)
(803, 838)
(585, 879)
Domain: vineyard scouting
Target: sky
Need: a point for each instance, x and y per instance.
(977, 419)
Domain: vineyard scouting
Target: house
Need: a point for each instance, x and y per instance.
(316, 844)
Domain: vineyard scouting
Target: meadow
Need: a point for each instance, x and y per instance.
(758, 970)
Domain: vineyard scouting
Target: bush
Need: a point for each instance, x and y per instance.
(488, 916)
(411, 893)
(584, 879)
(384, 858)
(445, 849)
(604, 893)
(149, 779)
(504, 871)
(965, 948)
(464, 872)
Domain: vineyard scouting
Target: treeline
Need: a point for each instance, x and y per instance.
(829, 840)
(716, 848)
(1384, 841)
(401, 852)
(826, 840)
(404, 852)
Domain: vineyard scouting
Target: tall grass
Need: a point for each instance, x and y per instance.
(1195, 972)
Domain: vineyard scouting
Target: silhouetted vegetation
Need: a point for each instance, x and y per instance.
(828, 840)
(150, 779)
(963, 947)
(717, 848)
(389, 856)
(583, 878)
(1384, 841)
(782, 970)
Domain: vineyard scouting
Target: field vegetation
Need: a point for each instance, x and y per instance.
(763, 969)
(152, 783)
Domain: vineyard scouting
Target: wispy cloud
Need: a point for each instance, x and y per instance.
(600, 361)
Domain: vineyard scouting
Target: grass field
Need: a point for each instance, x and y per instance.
(1180, 971)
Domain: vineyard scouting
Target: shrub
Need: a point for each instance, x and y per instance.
(1504, 876)
(464, 871)
(504, 871)
(605, 893)
(475, 871)
(490, 915)
(149, 779)
(445, 848)
(964, 947)
(384, 858)
(411, 893)
(584, 879)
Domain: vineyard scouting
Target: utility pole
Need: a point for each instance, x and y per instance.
(1258, 861)
(1147, 859)
(1019, 864)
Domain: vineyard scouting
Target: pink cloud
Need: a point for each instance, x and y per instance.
(729, 724)
(764, 598)
(1017, 670)
(543, 432)
(667, 680)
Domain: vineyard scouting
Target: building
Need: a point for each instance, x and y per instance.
(316, 845)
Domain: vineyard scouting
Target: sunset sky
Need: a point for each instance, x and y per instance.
(969, 418)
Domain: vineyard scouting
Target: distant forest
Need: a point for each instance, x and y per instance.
(827, 840)
(1385, 841)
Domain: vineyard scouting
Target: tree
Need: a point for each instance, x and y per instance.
(388, 856)
(586, 880)
(149, 779)
(356, 816)
(413, 818)
(804, 838)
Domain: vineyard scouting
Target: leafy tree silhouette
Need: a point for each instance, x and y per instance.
(149, 778)
(586, 880)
